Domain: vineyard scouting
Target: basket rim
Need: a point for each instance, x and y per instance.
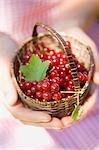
(63, 99)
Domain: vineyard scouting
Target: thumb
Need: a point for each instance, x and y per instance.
(6, 84)
(96, 78)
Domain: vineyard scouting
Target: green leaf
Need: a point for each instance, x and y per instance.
(75, 112)
(35, 70)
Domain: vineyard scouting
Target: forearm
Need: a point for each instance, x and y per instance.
(77, 7)
(78, 12)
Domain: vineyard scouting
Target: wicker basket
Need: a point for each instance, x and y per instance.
(83, 53)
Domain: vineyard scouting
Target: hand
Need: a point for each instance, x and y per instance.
(73, 15)
(10, 99)
(85, 109)
(91, 100)
(26, 115)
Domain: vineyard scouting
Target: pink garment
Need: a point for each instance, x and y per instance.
(17, 18)
(82, 136)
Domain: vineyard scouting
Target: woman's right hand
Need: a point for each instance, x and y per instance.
(9, 96)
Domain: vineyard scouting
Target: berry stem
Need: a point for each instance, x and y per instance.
(74, 92)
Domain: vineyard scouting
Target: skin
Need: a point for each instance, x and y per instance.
(37, 118)
(73, 10)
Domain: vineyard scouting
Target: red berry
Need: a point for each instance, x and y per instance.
(80, 67)
(80, 76)
(47, 96)
(54, 87)
(33, 89)
(57, 68)
(55, 80)
(62, 74)
(63, 69)
(28, 85)
(67, 78)
(28, 92)
(67, 67)
(57, 96)
(70, 88)
(62, 56)
(26, 57)
(39, 86)
(54, 73)
(46, 86)
(41, 56)
(62, 81)
(85, 76)
(59, 55)
(34, 83)
(48, 57)
(68, 44)
(38, 95)
(53, 57)
(55, 62)
(62, 61)
(71, 83)
(22, 85)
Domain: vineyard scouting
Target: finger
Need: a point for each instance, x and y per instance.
(67, 121)
(25, 114)
(88, 105)
(28, 115)
(37, 118)
(6, 84)
(96, 78)
(55, 123)
(84, 110)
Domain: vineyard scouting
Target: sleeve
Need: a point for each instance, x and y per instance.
(8, 46)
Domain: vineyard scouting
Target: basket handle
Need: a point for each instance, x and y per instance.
(65, 49)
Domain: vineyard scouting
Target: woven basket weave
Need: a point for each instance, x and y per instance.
(84, 55)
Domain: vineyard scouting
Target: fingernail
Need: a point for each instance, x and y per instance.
(58, 129)
(46, 119)
(68, 123)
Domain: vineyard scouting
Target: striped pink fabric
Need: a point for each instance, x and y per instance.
(93, 32)
(17, 18)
